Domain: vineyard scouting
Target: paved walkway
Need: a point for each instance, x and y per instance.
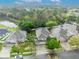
(5, 53)
(66, 46)
(40, 49)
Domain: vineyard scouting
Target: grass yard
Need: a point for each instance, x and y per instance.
(11, 29)
(1, 45)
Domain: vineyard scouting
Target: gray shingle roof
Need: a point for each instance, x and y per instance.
(3, 32)
(17, 36)
(42, 33)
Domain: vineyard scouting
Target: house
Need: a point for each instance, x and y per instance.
(63, 32)
(15, 37)
(41, 34)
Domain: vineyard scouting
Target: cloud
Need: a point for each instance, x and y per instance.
(56, 0)
(17, 2)
(31, 0)
(26, 1)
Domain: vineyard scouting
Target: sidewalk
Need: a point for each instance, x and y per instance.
(66, 46)
(5, 53)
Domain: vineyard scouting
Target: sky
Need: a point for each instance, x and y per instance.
(61, 2)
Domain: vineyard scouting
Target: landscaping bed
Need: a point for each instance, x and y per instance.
(24, 49)
(1, 45)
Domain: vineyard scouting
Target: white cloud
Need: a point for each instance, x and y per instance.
(56, 0)
(17, 2)
(31, 0)
(26, 1)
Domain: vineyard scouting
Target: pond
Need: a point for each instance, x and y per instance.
(70, 55)
(63, 55)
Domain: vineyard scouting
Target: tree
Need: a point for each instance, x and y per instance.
(72, 18)
(52, 43)
(26, 25)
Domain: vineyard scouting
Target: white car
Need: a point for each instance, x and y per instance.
(18, 57)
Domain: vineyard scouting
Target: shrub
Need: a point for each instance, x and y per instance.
(74, 41)
(14, 49)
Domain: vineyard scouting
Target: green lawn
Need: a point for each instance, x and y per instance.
(9, 28)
